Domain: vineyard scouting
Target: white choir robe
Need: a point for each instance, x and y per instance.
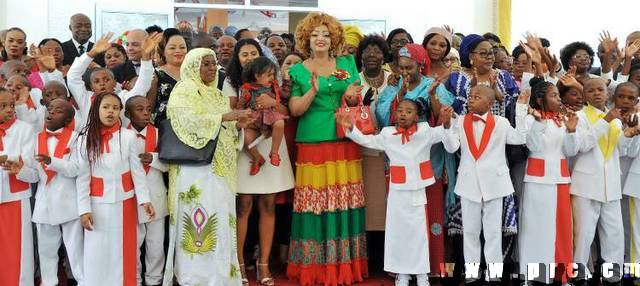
(56, 211)
(482, 183)
(151, 231)
(16, 234)
(109, 191)
(84, 98)
(545, 233)
(632, 191)
(406, 247)
(596, 192)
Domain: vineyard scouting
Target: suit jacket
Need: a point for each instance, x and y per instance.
(486, 178)
(71, 52)
(594, 177)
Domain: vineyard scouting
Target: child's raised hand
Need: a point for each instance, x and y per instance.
(630, 119)
(3, 159)
(43, 158)
(149, 210)
(23, 96)
(614, 113)
(344, 120)
(571, 122)
(14, 167)
(101, 45)
(631, 132)
(631, 49)
(145, 158)
(149, 45)
(445, 116)
(44, 59)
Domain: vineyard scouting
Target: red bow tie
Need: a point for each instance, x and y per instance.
(478, 118)
(406, 133)
(107, 134)
(54, 134)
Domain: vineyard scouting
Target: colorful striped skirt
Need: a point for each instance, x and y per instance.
(328, 240)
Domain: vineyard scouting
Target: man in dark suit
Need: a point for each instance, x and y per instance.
(80, 27)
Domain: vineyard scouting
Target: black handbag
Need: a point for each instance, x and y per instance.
(174, 151)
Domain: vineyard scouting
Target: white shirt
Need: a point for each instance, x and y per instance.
(77, 45)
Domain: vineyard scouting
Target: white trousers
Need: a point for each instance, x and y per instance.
(607, 218)
(152, 234)
(485, 217)
(50, 237)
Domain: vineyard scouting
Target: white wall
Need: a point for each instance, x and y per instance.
(566, 21)
(50, 18)
(416, 16)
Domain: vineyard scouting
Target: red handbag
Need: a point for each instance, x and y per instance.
(361, 116)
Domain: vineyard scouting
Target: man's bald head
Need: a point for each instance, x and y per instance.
(135, 38)
(80, 27)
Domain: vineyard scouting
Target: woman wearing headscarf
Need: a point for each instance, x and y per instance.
(202, 221)
(437, 43)
(352, 38)
(476, 57)
(413, 62)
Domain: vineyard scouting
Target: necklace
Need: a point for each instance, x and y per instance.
(375, 82)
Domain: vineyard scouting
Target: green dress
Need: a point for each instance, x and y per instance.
(328, 243)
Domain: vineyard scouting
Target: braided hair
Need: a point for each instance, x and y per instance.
(91, 131)
(539, 89)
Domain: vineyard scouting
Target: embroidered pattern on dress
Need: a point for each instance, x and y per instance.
(199, 232)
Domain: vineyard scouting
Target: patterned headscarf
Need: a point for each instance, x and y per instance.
(418, 54)
(352, 35)
(195, 110)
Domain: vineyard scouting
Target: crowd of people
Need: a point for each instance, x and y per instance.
(166, 156)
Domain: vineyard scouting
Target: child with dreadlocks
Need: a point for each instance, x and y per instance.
(111, 184)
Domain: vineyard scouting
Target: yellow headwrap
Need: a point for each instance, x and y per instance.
(352, 35)
(196, 110)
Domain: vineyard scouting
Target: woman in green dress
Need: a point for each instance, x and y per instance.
(328, 243)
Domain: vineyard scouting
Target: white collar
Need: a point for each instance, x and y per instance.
(85, 45)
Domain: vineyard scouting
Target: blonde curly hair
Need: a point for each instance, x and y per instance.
(309, 23)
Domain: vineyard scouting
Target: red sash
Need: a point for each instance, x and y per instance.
(3, 130)
(61, 148)
(150, 142)
(486, 134)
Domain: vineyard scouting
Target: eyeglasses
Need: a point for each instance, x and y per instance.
(485, 55)
(399, 42)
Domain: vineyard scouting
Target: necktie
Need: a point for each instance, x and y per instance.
(80, 50)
